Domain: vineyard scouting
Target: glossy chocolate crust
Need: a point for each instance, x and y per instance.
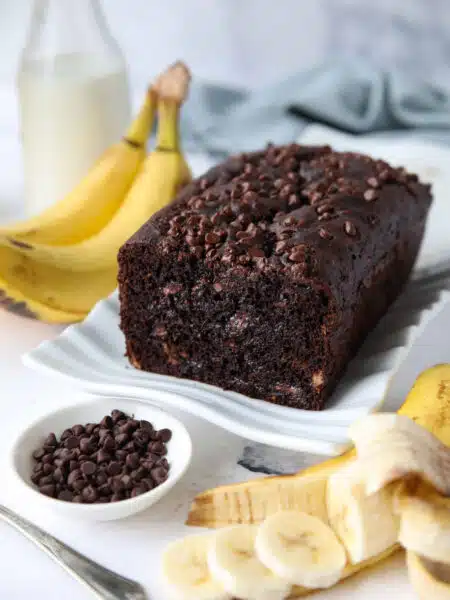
(265, 275)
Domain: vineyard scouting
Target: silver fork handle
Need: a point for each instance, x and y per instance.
(105, 584)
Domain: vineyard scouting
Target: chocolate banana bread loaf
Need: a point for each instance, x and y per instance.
(265, 275)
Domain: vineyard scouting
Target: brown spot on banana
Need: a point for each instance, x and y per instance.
(20, 244)
(18, 308)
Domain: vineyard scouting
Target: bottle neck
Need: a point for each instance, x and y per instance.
(68, 27)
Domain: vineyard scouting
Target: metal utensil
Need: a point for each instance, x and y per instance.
(103, 583)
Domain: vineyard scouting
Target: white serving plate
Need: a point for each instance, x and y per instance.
(91, 354)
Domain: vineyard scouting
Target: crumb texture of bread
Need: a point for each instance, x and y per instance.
(265, 275)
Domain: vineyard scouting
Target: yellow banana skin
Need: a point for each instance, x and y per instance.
(156, 184)
(47, 293)
(428, 404)
(85, 210)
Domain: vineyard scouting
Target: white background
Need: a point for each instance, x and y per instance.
(244, 42)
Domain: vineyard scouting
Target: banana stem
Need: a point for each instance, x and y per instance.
(141, 127)
(167, 137)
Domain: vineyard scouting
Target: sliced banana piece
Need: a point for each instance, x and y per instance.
(424, 521)
(430, 580)
(233, 562)
(393, 447)
(185, 570)
(301, 549)
(366, 525)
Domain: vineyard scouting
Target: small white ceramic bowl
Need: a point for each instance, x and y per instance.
(92, 411)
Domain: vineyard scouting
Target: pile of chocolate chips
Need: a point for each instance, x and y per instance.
(116, 459)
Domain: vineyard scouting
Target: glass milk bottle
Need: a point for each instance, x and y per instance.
(74, 98)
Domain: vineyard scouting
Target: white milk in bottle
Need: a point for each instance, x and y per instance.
(74, 99)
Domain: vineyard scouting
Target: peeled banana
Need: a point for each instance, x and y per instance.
(428, 404)
(92, 203)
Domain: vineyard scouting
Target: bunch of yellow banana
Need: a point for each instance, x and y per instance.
(57, 265)
(392, 490)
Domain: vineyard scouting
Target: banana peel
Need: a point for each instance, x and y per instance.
(428, 404)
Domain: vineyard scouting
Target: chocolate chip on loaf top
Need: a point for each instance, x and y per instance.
(265, 275)
(260, 206)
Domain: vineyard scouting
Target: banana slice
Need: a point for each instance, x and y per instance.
(233, 562)
(366, 525)
(424, 521)
(430, 580)
(301, 549)
(186, 573)
(394, 447)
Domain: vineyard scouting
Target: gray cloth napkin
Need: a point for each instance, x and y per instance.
(351, 97)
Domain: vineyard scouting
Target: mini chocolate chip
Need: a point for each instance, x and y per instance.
(47, 479)
(114, 468)
(138, 490)
(157, 448)
(373, 182)
(145, 425)
(47, 458)
(37, 454)
(141, 437)
(126, 481)
(130, 446)
(109, 444)
(65, 495)
(116, 484)
(107, 422)
(87, 445)
(73, 464)
(51, 440)
(36, 477)
(370, 195)
(350, 229)
(79, 484)
(164, 435)
(66, 434)
(121, 439)
(58, 474)
(88, 468)
(104, 490)
(89, 428)
(101, 478)
(71, 442)
(48, 490)
(132, 460)
(102, 456)
(121, 454)
(78, 430)
(77, 499)
(159, 475)
(89, 494)
(47, 468)
(73, 476)
(116, 415)
(117, 496)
